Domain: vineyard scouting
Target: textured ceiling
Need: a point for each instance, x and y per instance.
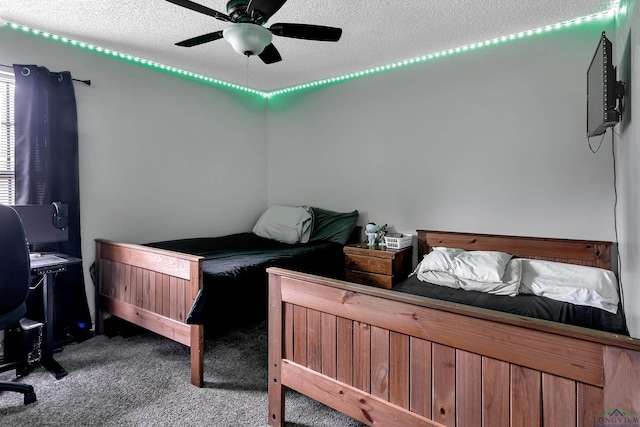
(375, 32)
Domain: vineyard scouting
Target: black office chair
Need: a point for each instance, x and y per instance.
(15, 270)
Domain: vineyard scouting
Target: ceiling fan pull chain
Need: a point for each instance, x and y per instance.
(247, 66)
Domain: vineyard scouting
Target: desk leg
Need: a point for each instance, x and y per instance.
(47, 301)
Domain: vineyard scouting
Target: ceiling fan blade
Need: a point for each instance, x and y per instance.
(270, 54)
(202, 9)
(200, 39)
(307, 32)
(261, 10)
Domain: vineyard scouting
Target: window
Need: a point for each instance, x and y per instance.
(7, 139)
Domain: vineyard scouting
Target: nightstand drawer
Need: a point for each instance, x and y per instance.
(369, 264)
(371, 279)
(375, 265)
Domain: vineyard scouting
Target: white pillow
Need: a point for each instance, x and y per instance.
(445, 249)
(480, 266)
(287, 224)
(576, 284)
(509, 284)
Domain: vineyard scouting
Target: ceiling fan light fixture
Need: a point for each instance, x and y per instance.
(247, 39)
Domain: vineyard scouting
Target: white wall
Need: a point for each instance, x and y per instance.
(489, 141)
(160, 157)
(627, 150)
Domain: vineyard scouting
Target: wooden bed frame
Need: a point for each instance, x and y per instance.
(154, 289)
(392, 359)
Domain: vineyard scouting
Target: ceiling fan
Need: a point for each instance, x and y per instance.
(247, 34)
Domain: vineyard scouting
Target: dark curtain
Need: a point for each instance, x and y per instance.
(46, 135)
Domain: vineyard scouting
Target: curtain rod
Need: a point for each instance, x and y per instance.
(87, 82)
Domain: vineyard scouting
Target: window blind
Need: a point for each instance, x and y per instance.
(7, 139)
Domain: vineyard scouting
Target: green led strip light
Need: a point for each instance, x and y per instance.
(134, 59)
(419, 59)
(443, 53)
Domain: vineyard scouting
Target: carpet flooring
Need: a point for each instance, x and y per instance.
(143, 380)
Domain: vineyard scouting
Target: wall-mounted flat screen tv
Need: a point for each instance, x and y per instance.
(602, 90)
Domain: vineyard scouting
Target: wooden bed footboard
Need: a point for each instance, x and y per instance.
(154, 289)
(392, 359)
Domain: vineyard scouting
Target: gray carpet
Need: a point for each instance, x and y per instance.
(143, 380)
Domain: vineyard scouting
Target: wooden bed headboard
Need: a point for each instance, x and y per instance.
(583, 252)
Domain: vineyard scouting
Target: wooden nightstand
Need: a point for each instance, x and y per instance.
(376, 265)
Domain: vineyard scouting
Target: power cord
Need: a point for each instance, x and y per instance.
(615, 212)
(615, 203)
(599, 145)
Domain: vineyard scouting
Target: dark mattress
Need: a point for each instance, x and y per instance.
(523, 305)
(234, 290)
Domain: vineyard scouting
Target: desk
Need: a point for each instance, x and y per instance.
(47, 266)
